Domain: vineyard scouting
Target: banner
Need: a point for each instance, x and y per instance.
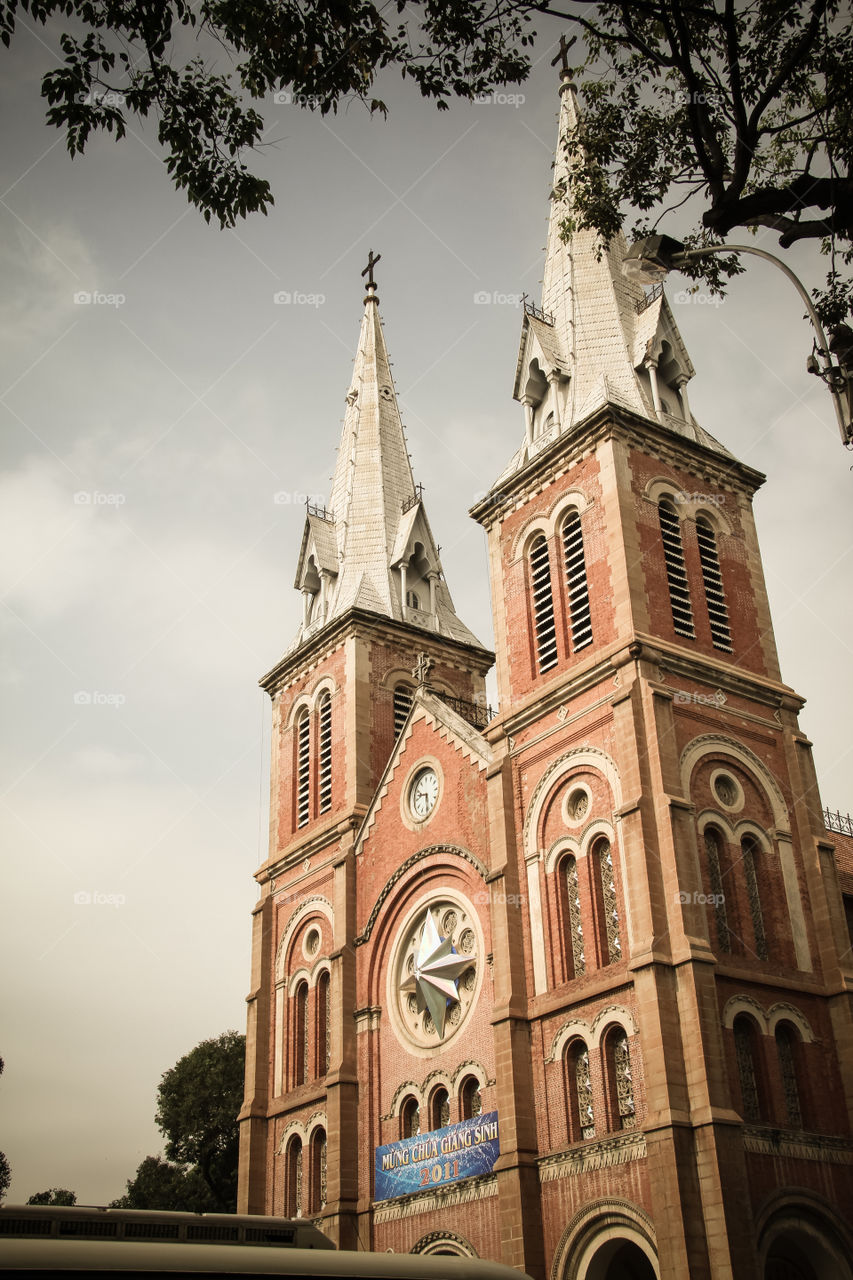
(438, 1158)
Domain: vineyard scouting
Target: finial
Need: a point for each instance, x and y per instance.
(422, 671)
(563, 57)
(368, 271)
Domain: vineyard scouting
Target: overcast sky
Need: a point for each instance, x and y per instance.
(146, 567)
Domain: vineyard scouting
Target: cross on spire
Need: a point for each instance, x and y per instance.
(563, 55)
(422, 671)
(368, 270)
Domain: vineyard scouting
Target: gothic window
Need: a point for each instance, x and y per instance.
(745, 1051)
(621, 1082)
(300, 1035)
(303, 769)
(676, 574)
(410, 1118)
(470, 1101)
(413, 600)
(718, 614)
(324, 721)
(543, 606)
(611, 941)
(713, 851)
(749, 848)
(402, 707)
(573, 916)
(439, 1109)
(323, 1023)
(573, 554)
(293, 1179)
(579, 1091)
(786, 1048)
(318, 1171)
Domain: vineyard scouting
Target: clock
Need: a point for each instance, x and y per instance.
(423, 793)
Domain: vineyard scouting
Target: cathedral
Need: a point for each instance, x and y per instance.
(565, 985)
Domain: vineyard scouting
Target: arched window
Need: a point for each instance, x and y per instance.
(324, 724)
(303, 769)
(752, 1101)
(402, 707)
(620, 1081)
(318, 1171)
(718, 614)
(581, 1111)
(573, 555)
(439, 1109)
(543, 606)
(676, 574)
(611, 941)
(293, 1179)
(413, 600)
(323, 1023)
(576, 955)
(713, 852)
(470, 1101)
(749, 847)
(787, 1045)
(410, 1118)
(300, 1034)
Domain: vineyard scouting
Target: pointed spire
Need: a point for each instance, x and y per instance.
(373, 547)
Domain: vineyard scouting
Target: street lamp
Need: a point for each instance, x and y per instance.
(650, 260)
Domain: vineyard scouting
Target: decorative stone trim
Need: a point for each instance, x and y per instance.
(795, 1145)
(481, 1188)
(593, 1155)
(453, 849)
(432, 1243)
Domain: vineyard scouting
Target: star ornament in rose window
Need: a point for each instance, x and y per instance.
(437, 970)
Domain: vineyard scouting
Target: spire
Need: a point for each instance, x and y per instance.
(597, 338)
(373, 548)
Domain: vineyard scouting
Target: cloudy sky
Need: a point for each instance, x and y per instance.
(158, 444)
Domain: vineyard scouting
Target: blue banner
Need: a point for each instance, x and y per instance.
(438, 1158)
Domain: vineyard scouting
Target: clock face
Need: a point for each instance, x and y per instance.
(424, 793)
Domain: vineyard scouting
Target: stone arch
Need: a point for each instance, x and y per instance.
(561, 846)
(578, 757)
(784, 1012)
(316, 904)
(596, 1233)
(794, 1225)
(453, 850)
(613, 1015)
(713, 818)
(445, 1242)
(295, 1129)
(536, 526)
(717, 743)
(597, 828)
(746, 827)
(745, 1004)
(574, 500)
(408, 1089)
(574, 1029)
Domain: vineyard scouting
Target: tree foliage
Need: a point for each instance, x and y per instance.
(744, 105)
(56, 1195)
(5, 1175)
(157, 1184)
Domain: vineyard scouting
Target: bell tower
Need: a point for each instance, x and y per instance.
(376, 616)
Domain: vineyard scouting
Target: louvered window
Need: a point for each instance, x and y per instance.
(718, 614)
(543, 606)
(303, 769)
(573, 553)
(325, 725)
(676, 574)
(402, 707)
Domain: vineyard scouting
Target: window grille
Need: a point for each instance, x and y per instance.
(712, 854)
(786, 1049)
(575, 925)
(411, 1118)
(303, 769)
(472, 1102)
(324, 1017)
(746, 1069)
(624, 1082)
(583, 1086)
(301, 1034)
(402, 706)
(412, 600)
(440, 1109)
(543, 606)
(749, 848)
(608, 901)
(318, 1171)
(676, 574)
(718, 614)
(573, 553)
(293, 1204)
(325, 719)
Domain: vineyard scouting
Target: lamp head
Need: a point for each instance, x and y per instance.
(650, 261)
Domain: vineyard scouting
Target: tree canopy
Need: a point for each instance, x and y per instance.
(157, 1184)
(56, 1195)
(745, 106)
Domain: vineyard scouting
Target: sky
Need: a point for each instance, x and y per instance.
(159, 441)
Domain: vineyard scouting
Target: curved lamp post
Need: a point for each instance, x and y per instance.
(649, 261)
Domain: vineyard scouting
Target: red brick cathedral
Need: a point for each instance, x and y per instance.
(567, 986)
